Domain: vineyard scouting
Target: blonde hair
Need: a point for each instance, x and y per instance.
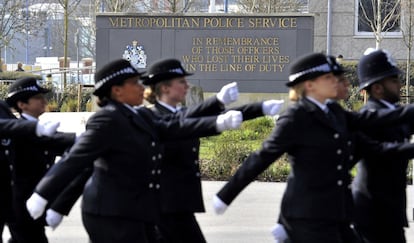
(149, 95)
(297, 91)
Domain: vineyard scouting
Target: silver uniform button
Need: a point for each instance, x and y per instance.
(12, 183)
(11, 167)
(350, 186)
(159, 156)
(157, 186)
(349, 143)
(153, 172)
(351, 157)
(151, 185)
(194, 149)
(339, 183)
(339, 167)
(6, 152)
(154, 158)
(336, 135)
(198, 174)
(338, 151)
(196, 162)
(46, 152)
(158, 172)
(153, 144)
(47, 166)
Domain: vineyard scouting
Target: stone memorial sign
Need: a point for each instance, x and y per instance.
(254, 50)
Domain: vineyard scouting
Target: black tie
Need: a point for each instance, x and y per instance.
(332, 119)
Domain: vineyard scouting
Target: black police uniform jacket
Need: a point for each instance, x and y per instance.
(124, 149)
(33, 158)
(180, 170)
(68, 197)
(10, 128)
(379, 188)
(320, 156)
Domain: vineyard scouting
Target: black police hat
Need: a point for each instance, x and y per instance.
(113, 73)
(164, 70)
(23, 89)
(310, 66)
(337, 68)
(374, 66)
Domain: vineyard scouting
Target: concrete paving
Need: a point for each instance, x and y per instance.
(248, 220)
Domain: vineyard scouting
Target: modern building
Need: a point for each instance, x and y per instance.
(342, 29)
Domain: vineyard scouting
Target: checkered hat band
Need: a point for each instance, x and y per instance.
(127, 70)
(326, 68)
(29, 88)
(174, 70)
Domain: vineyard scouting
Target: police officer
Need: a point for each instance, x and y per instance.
(317, 203)
(123, 145)
(379, 189)
(181, 192)
(11, 128)
(33, 157)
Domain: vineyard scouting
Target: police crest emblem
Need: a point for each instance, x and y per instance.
(136, 55)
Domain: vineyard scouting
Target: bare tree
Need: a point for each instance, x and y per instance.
(271, 6)
(16, 22)
(69, 6)
(177, 6)
(86, 16)
(407, 7)
(381, 16)
(115, 6)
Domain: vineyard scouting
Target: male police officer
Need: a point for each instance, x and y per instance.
(33, 158)
(380, 185)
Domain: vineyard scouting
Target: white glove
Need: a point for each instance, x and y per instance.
(53, 218)
(228, 93)
(36, 205)
(78, 135)
(272, 107)
(279, 233)
(46, 128)
(218, 205)
(229, 120)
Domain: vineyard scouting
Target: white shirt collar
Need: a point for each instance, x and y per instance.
(169, 107)
(131, 108)
(323, 107)
(29, 117)
(388, 104)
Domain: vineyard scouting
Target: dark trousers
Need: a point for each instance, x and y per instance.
(103, 229)
(1, 231)
(380, 234)
(317, 231)
(24, 229)
(180, 228)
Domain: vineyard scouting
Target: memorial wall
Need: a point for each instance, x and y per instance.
(251, 49)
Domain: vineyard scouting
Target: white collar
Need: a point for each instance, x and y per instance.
(388, 104)
(169, 107)
(29, 117)
(322, 106)
(130, 108)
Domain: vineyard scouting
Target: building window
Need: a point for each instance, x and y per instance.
(366, 16)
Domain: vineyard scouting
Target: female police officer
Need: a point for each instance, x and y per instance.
(181, 192)
(317, 203)
(123, 145)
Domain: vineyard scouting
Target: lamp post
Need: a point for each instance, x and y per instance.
(27, 31)
(47, 46)
(329, 28)
(77, 52)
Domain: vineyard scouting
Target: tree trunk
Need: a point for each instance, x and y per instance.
(65, 44)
